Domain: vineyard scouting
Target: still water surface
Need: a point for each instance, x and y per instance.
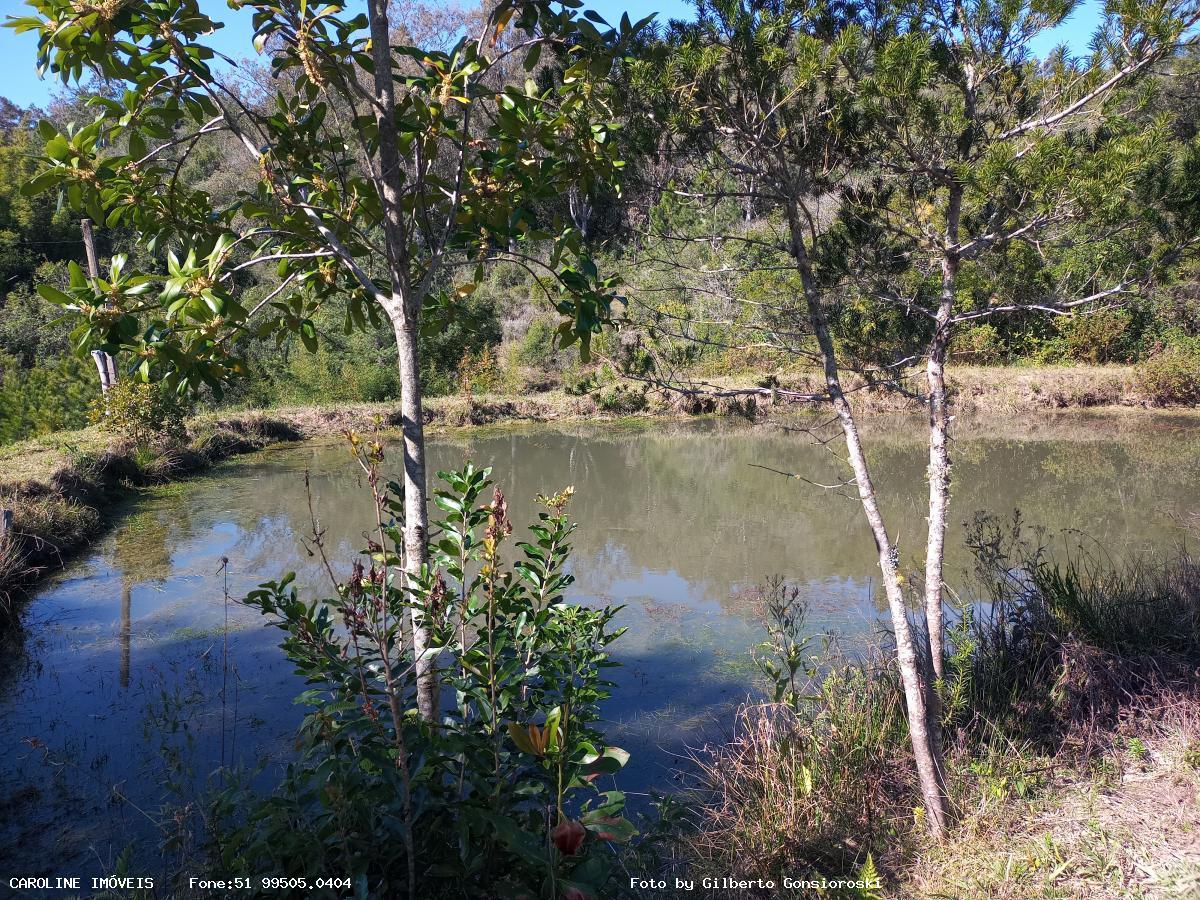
(114, 685)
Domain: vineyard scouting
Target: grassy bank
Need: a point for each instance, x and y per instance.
(980, 389)
(1073, 749)
(62, 488)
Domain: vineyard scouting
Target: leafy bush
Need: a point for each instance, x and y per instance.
(374, 384)
(1098, 337)
(981, 344)
(480, 373)
(144, 413)
(29, 324)
(622, 400)
(499, 798)
(335, 373)
(1050, 351)
(578, 382)
(474, 328)
(1172, 375)
(536, 347)
(47, 397)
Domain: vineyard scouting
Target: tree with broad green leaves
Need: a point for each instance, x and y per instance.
(388, 177)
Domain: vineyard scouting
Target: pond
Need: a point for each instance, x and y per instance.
(132, 677)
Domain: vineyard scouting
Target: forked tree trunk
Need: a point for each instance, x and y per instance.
(926, 750)
(107, 368)
(403, 309)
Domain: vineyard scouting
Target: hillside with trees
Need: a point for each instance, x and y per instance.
(698, 269)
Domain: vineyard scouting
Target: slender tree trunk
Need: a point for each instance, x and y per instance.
(939, 461)
(403, 309)
(580, 207)
(416, 510)
(925, 748)
(105, 364)
(939, 467)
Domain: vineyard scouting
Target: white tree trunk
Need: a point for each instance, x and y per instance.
(105, 364)
(938, 472)
(416, 510)
(403, 308)
(939, 469)
(926, 749)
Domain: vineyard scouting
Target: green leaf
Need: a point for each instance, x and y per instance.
(54, 295)
(217, 304)
(520, 737)
(41, 182)
(308, 335)
(75, 275)
(532, 57)
(553, 724)
(611, 761)
(528, 846)
(609, 828)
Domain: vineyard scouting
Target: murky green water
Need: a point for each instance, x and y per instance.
(115, 684)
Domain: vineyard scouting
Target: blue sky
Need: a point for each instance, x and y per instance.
(19, 81)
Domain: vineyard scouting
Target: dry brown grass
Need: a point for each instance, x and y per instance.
(980, 388)
(1077, 772)
(1128, 825)
(794, 792)
(786, 796)
(1073, 751)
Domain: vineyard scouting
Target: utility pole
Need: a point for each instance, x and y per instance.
(105, 364)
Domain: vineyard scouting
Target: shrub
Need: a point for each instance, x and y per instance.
(622, 400)
(578, 382)
(480, 373)
(474, 328)
(502, 796)
(823, 761)
(30, 329)
(144, 413)
(978, 344)
(372, 384)
(1098, 337)
(536, 347)
(1051, 351)
(1172, 375)
(328, 375)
